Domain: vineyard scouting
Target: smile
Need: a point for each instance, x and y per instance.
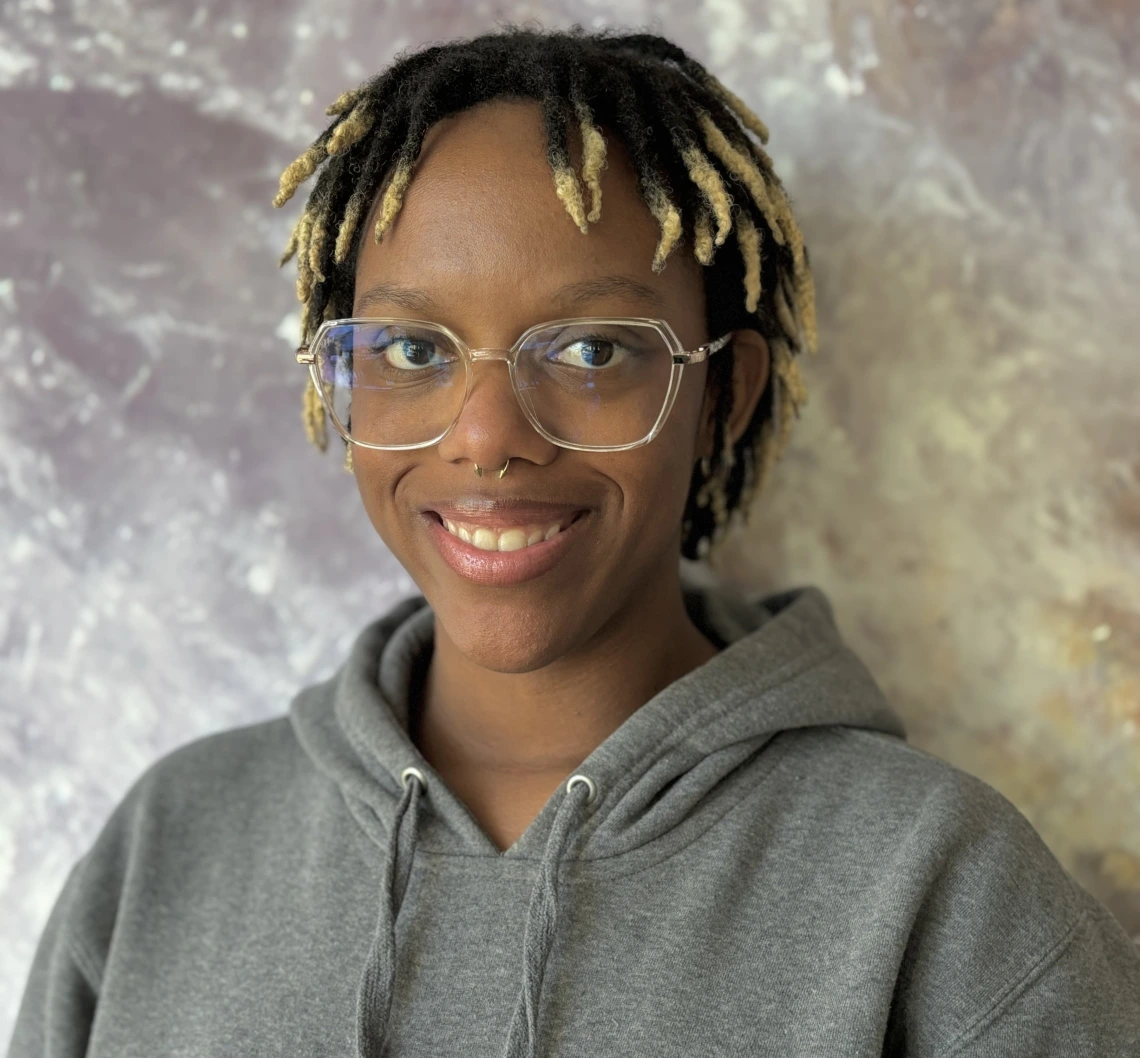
(515, 538)
(504, 554)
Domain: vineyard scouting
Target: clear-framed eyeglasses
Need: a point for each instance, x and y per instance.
(594, 384)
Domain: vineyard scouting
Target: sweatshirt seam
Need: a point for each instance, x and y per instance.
(1044, 962)
(721, 706)
(84, 961)
(875, 734)
(778, 750)
(780, 677)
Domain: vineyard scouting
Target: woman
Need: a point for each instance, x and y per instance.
(566, 803)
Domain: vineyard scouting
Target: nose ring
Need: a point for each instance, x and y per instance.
(479, 469)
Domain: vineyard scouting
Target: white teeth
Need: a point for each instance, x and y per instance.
(514, 539)
(485, 539)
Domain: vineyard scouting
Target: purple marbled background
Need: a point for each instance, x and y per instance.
(965, 483)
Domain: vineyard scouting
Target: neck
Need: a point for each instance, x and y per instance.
(542, 724)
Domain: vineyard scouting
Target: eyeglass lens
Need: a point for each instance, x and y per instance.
(589, 383)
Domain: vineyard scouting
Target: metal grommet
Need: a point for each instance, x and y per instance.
(412, 771)
(589, 785)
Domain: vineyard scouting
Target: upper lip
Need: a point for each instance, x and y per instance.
(503, 511)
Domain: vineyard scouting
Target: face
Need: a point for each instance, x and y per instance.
(483, 245)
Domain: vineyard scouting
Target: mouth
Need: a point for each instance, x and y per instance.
(506, 537)
(503, 546)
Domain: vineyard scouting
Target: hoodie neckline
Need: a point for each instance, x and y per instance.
(784, 666)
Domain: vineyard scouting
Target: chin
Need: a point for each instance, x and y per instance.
(507, 635)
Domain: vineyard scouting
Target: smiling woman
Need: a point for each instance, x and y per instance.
(564, 801)
(682, 142)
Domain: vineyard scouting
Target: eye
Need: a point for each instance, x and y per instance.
(590, 353)
(411, 354)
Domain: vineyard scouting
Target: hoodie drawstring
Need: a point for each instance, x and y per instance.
(541, 918)
(377, 981)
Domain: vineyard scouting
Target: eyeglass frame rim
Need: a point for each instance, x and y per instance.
(681, 358)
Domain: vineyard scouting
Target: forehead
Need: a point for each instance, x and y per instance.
(481, 218)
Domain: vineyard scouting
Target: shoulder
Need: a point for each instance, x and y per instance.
(214, 772)
(987, 910)
(222, 791)
(906, 787)
(211, 797)
(956, 834)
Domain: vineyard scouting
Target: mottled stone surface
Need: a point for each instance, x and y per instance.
(965, 482)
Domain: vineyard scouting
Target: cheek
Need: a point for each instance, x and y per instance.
(655, 480)
(377, 478)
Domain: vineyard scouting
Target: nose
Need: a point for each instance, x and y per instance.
(492, 426)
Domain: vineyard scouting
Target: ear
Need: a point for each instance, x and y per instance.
(751, 365)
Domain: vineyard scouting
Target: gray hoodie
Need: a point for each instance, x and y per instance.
(754, 863)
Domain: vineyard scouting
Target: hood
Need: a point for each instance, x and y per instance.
(782, 666)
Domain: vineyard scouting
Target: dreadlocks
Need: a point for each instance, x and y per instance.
(701, 175)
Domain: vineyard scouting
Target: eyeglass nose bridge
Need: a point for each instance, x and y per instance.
(491, 354)
(508, 356)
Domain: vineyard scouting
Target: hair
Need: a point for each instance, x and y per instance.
(703, 177)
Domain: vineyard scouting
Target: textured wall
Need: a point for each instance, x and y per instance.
(965, 483)
(966, 479)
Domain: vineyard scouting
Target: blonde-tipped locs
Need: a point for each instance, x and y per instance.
(700, 170)
(593, 157)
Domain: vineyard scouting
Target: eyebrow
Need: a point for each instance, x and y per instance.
(608, 286)
(568, 295)
(394, 294)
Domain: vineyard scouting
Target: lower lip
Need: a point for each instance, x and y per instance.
(502, 567)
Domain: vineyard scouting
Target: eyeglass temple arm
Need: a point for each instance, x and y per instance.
(702, 352)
